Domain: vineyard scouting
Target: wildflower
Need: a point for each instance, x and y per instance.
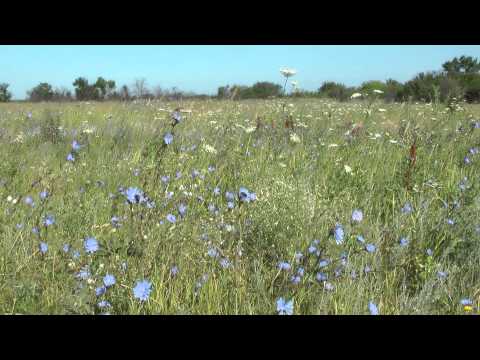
(70, 157)
(84, 273)
(373, 308)
(176, 117)
(288, 72)
(104, 304)
(165, 179)
(348, 169)
(109, 280)
(301, 271)
(357, 215)
(361, 239)
(35, 230)
(442, 274)
(44, 194)
(296, 279)
(99, 291)
(19, 226)
(134, 195)
(90, 245)
(311, 249)
(403, 241)
(450, 222)
(66, 248)
(169, 194)
(209, 149)
(284, 307)
(474, 151)
(142, 290)
(282, 265)
(407, 208)
(328, 286)
(29, 201)
(466, 302)
(182, 210)
(115, 221)
(76, 254)
(322, 276)
(195, 173)
(76, 146)
(168, 138)
(323, 263)
(230, 204)
(49, 220)
(212, 252)
(216, 191)
(370, 248)
(43, 247)
(298, 256)
(244, 195)
(171, 218)
(178, 175)
(429, 252)
(174, 271)
(230, 196)
(367, 269)
(466, 160)
(339, 234)
(225, 263)
(211, 168)
(294, 138)
(463, 184)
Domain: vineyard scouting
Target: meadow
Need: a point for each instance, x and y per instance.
(353, 208)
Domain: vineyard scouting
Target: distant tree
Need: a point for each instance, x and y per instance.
(85, 91)
(224, 92)
(125, 93)
(105, 87)
(464, 64)
(368, 87)
(158, 92)
(394, 91)
(41, 92)
(5, 95)
(62, 94)
(140, 88)
(334, 90)
(265, 89)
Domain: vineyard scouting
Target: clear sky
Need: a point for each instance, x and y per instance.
(204, 68)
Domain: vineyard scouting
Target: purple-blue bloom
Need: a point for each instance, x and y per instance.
(109, 280)
(339, 234)
(171, 218)
(90, 245)
(49, 220)
(373, 308)
(357, 215)
(168, 138)
(284, 307)
(142, 290)
(43, 247)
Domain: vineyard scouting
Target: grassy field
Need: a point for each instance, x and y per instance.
(409, 170)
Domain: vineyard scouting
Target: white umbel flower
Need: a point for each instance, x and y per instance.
(288, 72)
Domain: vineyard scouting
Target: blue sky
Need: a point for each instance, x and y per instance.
(204, 68)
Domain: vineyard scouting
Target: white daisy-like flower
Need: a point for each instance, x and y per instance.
(288, 72)
(295, 138)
